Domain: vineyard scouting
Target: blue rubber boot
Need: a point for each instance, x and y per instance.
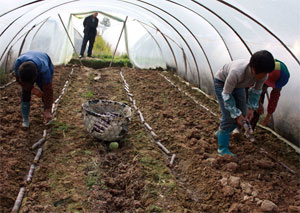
(25, 109)
(223, 142)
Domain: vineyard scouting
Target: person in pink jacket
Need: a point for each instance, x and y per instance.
(277, 79)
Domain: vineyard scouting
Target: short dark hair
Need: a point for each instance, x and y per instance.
(27, 72)
(262, 62)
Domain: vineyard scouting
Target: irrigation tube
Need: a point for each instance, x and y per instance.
(39, 152)
(147, 126)
(187, 94)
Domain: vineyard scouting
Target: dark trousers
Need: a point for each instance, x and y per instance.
(256, 116)
(87, 38)
(26, 95)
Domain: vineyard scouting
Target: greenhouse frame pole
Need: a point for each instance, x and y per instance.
(40, 28)
(235, 32)
(23, 42)
(217, 31)
(265, 28)
(7, 57)
(172, 51)
(69, 38)
(182, 37)
(24, 5)
(29, 23)
(165, 38)
(204, 53)
(153, 39)
(118, 41)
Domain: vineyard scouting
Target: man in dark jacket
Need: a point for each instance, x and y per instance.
(30, 68)
(90, 24)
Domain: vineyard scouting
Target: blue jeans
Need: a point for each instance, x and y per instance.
(227, 122)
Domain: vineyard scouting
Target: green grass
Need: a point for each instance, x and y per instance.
(61, 128)
(101, 49)
(103, 56)
(88, 94)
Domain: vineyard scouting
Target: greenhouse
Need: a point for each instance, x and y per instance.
(135, 124)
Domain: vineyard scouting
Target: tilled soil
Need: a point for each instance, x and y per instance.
(77, 173)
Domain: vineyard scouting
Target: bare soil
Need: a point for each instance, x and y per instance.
(78, 173)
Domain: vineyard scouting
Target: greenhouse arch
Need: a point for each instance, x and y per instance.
(196, 42)
(137, 126)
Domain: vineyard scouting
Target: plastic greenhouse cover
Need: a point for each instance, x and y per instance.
(194, 37)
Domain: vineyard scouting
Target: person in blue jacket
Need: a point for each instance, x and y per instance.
(31, 68)
(230, 83)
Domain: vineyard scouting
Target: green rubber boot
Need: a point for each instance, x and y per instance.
(223, 142)
(25, 109)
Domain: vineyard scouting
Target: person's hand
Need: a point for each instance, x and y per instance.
(266, 121)
(260, 109)
(250, 114)
(37, 92)
(240, 120)
(47, 116)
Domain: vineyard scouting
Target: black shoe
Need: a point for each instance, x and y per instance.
(91, 56)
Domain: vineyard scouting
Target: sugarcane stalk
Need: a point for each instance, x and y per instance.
(148, 126)
(30, 173)
(163, 147)
(172, 160)
(19, 199)
(141, 116)
(44, 133)
(38, 155)
(40, 142)
(153, 134)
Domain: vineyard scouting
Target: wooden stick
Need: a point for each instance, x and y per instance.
(172, 159)
(163, 147)
(44, 133)
(30, 173)
(2, 87)
(19, 199)
(148, 126)
(153, 134)
(141, 116)
(38, 155)
(40, 142)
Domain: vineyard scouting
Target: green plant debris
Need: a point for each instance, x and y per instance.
(88, 94)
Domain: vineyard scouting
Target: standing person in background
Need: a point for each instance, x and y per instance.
(35, 67)
(230, 83)
(90, 25)
(277, 79)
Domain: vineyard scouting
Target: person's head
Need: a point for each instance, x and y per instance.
(27, 72)
(95, 15)
(262, 63)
